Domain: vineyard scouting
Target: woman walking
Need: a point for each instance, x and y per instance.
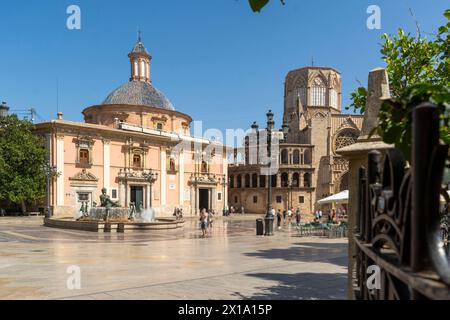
(204, 222)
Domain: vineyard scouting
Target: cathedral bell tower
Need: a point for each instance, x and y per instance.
(140, 62)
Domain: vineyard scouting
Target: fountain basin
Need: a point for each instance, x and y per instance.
(113, 226)
(114, 214)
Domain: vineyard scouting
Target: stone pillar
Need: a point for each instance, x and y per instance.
(149, 195)
(106, 165)
(163, 176)
(122, 194)
(378, 89)
(192, 200)
(225, 171)
(60, 169)
(213, 199)
(181, 178)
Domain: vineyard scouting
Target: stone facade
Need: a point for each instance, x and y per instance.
(309, 167)
(134, 133)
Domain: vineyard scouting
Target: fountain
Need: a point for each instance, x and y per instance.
(110, 216)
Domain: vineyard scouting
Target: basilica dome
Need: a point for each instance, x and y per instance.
(139, 93)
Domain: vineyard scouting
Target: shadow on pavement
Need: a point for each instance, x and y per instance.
(300, 286)
(335, 253)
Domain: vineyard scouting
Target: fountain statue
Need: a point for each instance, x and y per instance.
(107, 211)
(106, 202)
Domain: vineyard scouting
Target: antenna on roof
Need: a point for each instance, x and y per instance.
(312, 61)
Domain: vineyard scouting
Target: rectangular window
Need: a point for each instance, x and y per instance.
(318, 96)
(301, 199)
(84, 156)
(114, 193)
(235, 200)
(83, 196)
(255, 199)
(219, 196)
(279, 199)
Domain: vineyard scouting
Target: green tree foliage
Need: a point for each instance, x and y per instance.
(257, 5)
(22, 162)
(419, 70)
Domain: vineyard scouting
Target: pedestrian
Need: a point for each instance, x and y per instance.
(289, 214)
(279, 219)
(297, 216)
(320, 215)
(204, 222)
(284, 216)
(242, 210)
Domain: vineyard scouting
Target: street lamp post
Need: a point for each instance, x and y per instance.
(224, 184)
(269, 217)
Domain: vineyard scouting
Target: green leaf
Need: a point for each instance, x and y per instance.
(257, 5)
(447, 14)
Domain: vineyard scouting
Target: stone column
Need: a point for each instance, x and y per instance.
(181, 178)
(122, 194)
(213, 198)
(225, 171)
(106, 164)
(149, 195)
(60, 169)
(192, 199)
(378, 89)
(163, 176)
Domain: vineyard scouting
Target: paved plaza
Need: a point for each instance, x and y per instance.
(232, 263)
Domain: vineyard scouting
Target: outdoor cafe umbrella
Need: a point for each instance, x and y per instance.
(341, 197)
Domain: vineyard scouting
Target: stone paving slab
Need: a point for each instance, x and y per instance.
(232, 263)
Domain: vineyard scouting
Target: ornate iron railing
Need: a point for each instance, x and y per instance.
(403, 221)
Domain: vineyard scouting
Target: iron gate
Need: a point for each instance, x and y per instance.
(402, 225)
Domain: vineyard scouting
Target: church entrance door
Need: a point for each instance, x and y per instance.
(137, 196)
(203, 199)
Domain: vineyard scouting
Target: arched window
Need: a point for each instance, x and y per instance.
(284, 156)
(296, 157)
(318, 93)
(274, 181)
(307, 180)
(247, 180)
(231, 181)
(254, 180)
(84, 156)
(295, 180)
(307, 159)
(345, 138)
(284, 180)
(137, 161)
(262, 181)
(239, 181)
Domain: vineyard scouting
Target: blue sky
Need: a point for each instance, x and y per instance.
(215, 60)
